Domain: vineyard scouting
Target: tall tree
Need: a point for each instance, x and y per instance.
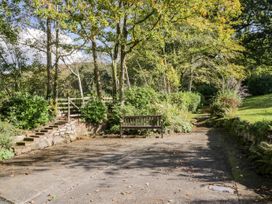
(255, 30)
(49, 58)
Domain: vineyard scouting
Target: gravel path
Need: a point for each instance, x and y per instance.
(185, 168)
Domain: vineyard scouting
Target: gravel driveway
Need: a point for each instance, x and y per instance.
(184, 168)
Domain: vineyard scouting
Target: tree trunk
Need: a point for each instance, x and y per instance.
(123, 60)
(115, 52)
(56, 76)
(127, 76)
(80, 86)
(122, 74)
(190, 83)
(48, 58)
(114, 80)
(96, 69)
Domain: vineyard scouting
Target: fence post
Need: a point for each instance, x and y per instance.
(69, 109)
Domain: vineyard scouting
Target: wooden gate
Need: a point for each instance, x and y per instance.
(70, 107)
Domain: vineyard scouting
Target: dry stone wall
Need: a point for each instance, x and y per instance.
(65, 133)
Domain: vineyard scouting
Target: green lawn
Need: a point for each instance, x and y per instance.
(256, 108)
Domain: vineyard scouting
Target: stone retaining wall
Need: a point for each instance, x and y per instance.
(65, 133)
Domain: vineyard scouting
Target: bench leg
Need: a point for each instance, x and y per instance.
(121, 133)
(161, 132)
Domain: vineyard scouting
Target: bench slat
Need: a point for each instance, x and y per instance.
(142, 122)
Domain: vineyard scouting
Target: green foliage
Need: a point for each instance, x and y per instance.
(254, 139)
(175, 119)
(113, 118)
(7, 131)
(261, 154)
(260, 82)
(7, 31)
(225, 103)
(188, 101)
(25, 111)
(6, 154)
(208, 92)
(145, 101)
(140, 97)
(256, 108)
(247, 132)
(52, 109)
(94, 112)
(258, 42)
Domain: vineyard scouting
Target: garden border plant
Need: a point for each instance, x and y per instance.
(253, 137)
(145, 101)
(25, 111)
(7, 131)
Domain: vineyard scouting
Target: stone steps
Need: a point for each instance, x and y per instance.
(20, 143)
(24, 143)
(59, 132)
(39, 133)
(21, 149)
(34, 136)
(29, 139)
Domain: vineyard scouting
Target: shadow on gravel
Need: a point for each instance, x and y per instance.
(192, 159)
(240, 201)
(241, 169)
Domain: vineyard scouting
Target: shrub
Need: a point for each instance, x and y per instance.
(114, 117)
(254, 139)
(188, 101)
(145, 101)
(260, 82)
(94, 112)
(225, 103)
(25, 111)
(140, 98)
(207, 91)
(7, 131)
(174, 118)
(261, 154)
(6, 154)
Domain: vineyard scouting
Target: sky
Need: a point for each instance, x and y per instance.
(31, 37)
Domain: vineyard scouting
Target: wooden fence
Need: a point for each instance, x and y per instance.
(70, 107)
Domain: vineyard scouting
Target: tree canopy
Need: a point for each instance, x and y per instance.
(168, 45)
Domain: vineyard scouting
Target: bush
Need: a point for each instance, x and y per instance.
(225, 103)
(114, 117)
(207, 91)
(6, 154)
(94, 112)
(7, 131)
(253, 138)
(174, 118)
(188, 101)
(260, 82)
(25, 111)
(140, 98)
(262, 156)
(145, 101)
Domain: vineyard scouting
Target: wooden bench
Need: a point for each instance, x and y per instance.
(141, 122)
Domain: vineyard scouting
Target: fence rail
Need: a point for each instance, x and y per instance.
(71, 106)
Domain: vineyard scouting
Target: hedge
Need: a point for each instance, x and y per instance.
(256, 138)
